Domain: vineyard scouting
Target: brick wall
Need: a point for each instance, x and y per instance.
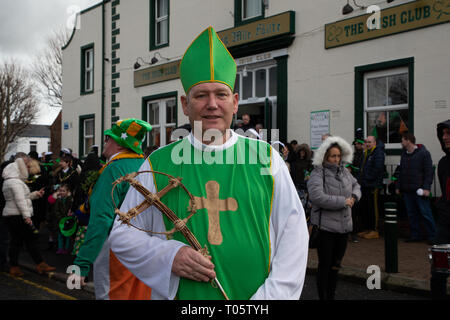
(55, 135)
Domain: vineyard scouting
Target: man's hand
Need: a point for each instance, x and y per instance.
(426, 193)
(191, 264)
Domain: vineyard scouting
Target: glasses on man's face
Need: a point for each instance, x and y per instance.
(107, 138)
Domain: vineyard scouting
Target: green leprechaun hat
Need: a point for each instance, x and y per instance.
(129, 133)
(207, 60)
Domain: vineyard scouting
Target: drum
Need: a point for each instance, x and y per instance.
(440, 258)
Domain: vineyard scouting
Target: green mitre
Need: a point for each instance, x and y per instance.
(207, 60)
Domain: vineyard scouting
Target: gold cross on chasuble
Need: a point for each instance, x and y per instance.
(214, 205)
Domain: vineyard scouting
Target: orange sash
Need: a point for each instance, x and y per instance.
(123, 285)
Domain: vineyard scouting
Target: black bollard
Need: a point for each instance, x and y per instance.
(390, 237)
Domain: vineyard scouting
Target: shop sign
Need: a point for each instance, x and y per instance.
(401, 18)
(265, 56)
(163, 72)
(262, 29)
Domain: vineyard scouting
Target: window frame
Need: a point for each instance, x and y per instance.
(154, 21)
(89, 48)
(159, 98)
(360, 88)
(384, 74)
(33, 143)
(254, 68)
(239, 11)
(81, 133)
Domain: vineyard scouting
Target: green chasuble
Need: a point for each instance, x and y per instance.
(233, 190)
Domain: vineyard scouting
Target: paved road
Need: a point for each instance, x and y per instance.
(38, 287)
(349, 290)
(33, 286)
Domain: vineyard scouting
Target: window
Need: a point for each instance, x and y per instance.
(87, 69)
(255, 83)
(386, 107)
(159, 26)
(33, 146)
(251, 9)
(87, 134)
(247, 11)
(161, 114)
(384, 101)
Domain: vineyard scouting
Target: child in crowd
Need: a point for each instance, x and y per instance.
(62, 201)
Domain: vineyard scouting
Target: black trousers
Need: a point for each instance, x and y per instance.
(438, 281)
(369, 208)
(4, 243)
(330, 250)
(20, 234)
(356, 218)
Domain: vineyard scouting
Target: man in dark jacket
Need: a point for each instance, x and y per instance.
(415, 176)
(371, 180)
(354, 168)
(438, 281)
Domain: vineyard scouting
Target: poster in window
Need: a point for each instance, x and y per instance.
(320, 124)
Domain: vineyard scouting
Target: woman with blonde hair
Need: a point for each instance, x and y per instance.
(38, 179)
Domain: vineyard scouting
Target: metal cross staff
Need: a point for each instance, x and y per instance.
(154, 199)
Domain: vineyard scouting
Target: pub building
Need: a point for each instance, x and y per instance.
(305, 68)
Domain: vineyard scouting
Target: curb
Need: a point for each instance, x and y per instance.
(60, 277)
(389, 281)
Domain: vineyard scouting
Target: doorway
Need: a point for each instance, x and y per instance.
(256, 84)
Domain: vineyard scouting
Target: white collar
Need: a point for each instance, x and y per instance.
(112, 157)
(197, 144)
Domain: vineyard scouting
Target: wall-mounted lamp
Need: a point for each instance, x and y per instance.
(244, 72)
(349, 9)
(154, 60)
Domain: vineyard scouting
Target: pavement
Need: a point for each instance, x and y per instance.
(413, 274)
(60, 261)
(413, 265)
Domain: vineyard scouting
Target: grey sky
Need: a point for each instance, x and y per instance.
(26, 24)
(24, 27)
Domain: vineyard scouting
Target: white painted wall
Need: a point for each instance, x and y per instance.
(22, 144)
(318, 79)
(75, 104)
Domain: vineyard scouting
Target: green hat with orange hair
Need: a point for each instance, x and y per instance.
(129, 133)
(207, 60)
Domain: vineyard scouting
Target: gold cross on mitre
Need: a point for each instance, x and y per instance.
(214, 205)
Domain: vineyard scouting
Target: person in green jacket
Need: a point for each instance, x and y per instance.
(123, 152)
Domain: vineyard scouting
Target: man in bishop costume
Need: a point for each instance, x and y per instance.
(248, 215)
